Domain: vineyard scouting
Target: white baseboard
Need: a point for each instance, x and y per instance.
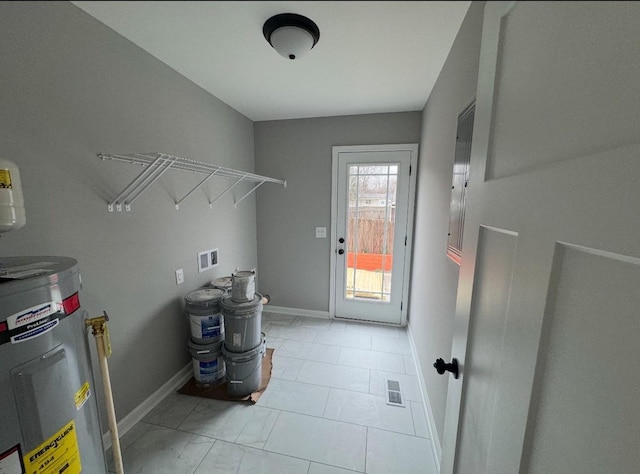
(431, 422)
(139, 412)
(297, 312)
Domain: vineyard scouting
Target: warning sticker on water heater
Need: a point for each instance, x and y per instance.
(5, 179)
(58, 454)
(80, 397)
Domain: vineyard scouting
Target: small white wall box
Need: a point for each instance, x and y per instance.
(207, 260)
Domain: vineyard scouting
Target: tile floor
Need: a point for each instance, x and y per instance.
(324, 411)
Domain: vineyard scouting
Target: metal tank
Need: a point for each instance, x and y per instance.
(48, 409)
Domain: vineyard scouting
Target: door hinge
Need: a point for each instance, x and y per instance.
(400, 305)
(409, 170)
(405, 240)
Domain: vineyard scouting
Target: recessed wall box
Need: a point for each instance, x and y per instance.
(207, 260)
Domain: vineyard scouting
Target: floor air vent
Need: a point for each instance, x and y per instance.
(394, 393)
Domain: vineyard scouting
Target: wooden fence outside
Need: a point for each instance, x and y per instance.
(370, 236)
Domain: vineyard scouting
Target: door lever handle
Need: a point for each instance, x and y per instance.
(442, 367)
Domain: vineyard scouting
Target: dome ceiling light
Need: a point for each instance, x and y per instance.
(291, 35)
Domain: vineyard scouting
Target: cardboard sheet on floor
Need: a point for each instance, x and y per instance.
(220, 392)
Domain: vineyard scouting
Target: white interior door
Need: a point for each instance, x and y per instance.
(373, 205)
(548, 291)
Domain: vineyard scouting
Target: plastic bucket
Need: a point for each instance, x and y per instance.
(244, 371)
(205, 319)
(243, 286)
(243, 323)
(208, 364)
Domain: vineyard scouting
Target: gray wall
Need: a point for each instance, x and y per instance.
(434, 277)
(293, 266)
(69, 88)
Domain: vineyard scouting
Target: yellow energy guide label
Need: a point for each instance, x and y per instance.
(58, 454)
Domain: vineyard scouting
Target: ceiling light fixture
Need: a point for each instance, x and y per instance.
(291, 35)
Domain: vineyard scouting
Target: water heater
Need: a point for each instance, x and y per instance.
(49, 414)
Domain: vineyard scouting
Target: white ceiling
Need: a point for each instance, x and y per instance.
(372, 56)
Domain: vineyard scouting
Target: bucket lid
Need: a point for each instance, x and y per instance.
(241, 356)
(205, 296)
(222, 282)
(247, 307)
(243, 274)
(199, 349)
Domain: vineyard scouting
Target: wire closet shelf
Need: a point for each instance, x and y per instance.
(156, 164)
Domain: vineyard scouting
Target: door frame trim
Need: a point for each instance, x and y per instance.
(335, 151)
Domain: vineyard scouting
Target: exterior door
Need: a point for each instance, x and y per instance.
(547, 319)
(373, 205)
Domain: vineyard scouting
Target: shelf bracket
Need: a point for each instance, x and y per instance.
(235, 204)
(160, 170)
(133, 185)
(226, 191)
(194, 189)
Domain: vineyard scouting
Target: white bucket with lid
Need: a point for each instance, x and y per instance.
(243, 323)
(243, 286)
(244, 371)
(209, 368)
(205, 319)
